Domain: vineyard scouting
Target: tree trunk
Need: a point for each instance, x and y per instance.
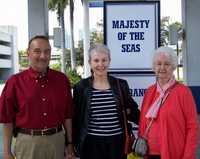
(73, 52)
(63, 54)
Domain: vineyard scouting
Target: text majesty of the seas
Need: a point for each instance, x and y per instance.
(133, 36)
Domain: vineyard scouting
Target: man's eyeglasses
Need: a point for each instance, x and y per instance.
(39, 51)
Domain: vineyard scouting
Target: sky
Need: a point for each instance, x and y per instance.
(14, 13)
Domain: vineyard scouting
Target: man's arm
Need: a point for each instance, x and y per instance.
(68, 130)
(7, 140)
(68, 136)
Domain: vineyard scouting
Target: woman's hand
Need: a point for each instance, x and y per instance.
(128, 111)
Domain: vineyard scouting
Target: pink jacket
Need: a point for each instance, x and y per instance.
(178, 122)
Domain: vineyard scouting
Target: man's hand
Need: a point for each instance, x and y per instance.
(8, 156)
(69, 152)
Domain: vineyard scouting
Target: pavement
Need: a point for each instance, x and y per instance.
(1, 139)
(1, 143)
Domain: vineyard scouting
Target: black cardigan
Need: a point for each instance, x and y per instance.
(81, 98)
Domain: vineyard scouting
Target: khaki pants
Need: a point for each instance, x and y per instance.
(40, 147)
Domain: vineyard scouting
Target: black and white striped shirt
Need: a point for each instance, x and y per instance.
(103, 119)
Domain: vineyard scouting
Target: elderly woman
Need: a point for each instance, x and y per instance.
(98, 119)
(169, 109)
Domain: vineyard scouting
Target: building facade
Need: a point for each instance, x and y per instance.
(8, 52)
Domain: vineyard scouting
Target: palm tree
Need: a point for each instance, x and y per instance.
(165, 25)
(164, 29)
(73, 52)
(59, 6)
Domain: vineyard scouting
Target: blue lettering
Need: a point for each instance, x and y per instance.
(137, 92)
(130, 48)
(115, 24)
(130, 24)
(137, 35)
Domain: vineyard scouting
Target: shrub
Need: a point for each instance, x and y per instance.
(71, 74)
(73, 77)
(2, 81)
(56, 66)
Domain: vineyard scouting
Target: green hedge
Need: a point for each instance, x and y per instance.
(73, 77)
(2, 81)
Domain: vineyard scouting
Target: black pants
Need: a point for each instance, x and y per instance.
(96, 147)
(154, 157)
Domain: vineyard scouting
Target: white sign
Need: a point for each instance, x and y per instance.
(137, 84)
(131, 33)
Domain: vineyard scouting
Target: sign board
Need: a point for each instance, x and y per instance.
(137, 84)
(131, 31)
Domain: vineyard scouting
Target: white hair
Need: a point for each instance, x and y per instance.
(169, 52)
(99, 48)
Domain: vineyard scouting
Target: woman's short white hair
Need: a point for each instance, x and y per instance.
(99, 48)
(169, 52)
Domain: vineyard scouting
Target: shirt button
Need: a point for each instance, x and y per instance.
(43, 99)
(45, 114)
(42, 86)
(36, 81)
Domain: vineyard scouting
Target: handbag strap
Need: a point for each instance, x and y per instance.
(162, 101)
(148, 127)
(122, 106)
(150, 123)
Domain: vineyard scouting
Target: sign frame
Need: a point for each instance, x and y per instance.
(135, 60)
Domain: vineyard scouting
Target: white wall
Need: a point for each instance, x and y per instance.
(37, 18)
(9, 63)
(191, 46)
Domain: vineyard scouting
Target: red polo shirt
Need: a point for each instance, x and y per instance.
(36, 101)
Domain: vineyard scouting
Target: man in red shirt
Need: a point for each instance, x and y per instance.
(38, 103)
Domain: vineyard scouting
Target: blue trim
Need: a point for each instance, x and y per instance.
(96, 4)
(196, 94)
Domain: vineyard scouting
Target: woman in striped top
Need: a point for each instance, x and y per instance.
(98, 120)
